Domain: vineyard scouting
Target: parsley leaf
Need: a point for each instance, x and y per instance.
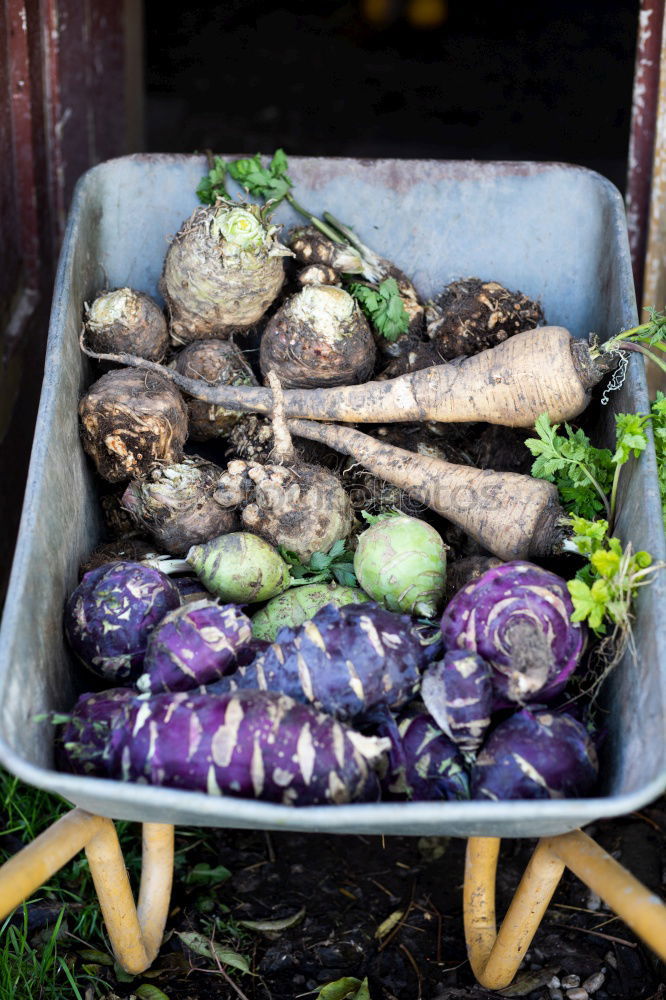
(658, 412)
(212, 185)
(271, 183)
(384, 307)
(336, 564)
(582, 473)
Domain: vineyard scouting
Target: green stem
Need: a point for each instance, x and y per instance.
(648, 354)
(597, 488)
(613, 497)
(323, 227)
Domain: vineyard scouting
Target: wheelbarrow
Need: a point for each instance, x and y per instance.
(558, 233)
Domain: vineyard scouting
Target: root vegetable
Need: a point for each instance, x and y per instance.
(535, 755)
(344, 661)
(401, 562)
(254, 744)
(299, 604)
(193, 645)
(175, 505)
(125, 320)
(215, 362)
(222, 271)
(471, 315)
(318, 274)
(131, 420)
(240, 567)
(423, 763)
(509, 384)
(83, 745)
(458, 693)
(510, 515)
(110, 615)
(464, 571)
(518, 618)
(318, 337)
(310, 246)
(301, 507)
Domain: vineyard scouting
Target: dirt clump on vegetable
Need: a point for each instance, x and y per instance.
(125, 320)
(216, 362)
(318, 337)
(301, 507)
(131, 420)
(471, 315)
(175, 505)
(222, 271)
(122, 549)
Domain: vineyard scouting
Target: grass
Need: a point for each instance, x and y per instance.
(54, 946)
(46, 963)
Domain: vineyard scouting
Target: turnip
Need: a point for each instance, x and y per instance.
(222, 271)
(344, 661)
(110, 615)
(471, 315)
(299, 506)
(193, 645)
(125, 320)
(299, 604)
(401, 562)
(130, 421)
(240, 567)
(318, 337)
(536, 755)
(458, 693)
(216, 362)
(517, 616)
(423, 763)
(253, 744)
(174, 504)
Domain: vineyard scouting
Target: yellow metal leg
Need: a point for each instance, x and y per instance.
(495, 957)
(135, 933)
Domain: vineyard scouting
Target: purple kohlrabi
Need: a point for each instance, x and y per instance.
(252, 744)
(517, 616)
(423, 763)
(194, 645)
(344, 661)
(536, 755)
(458, 693)
(112, 612)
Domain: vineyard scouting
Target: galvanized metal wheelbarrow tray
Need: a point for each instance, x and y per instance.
(555, 231)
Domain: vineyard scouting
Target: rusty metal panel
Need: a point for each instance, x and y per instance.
(557, 232)
(642, 138)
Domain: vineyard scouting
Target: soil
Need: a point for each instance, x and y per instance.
(349, 886)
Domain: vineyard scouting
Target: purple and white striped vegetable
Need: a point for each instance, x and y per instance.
(253, 744)
(83, 745)
(344, 661)
(517, 617)
(112, 612)
(536, 755)
(458, 693)
(194, 645)
(423, 763)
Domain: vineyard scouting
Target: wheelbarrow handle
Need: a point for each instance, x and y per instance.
(135, 933)
(495, 956)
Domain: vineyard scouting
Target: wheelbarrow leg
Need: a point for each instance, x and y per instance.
(135, 933)
(496, 956)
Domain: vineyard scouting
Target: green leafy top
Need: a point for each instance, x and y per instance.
(383, 307)
(605, 587)
(582, 473)
(658, 412)
(213, 184)
(271, 182)
(336, 564)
